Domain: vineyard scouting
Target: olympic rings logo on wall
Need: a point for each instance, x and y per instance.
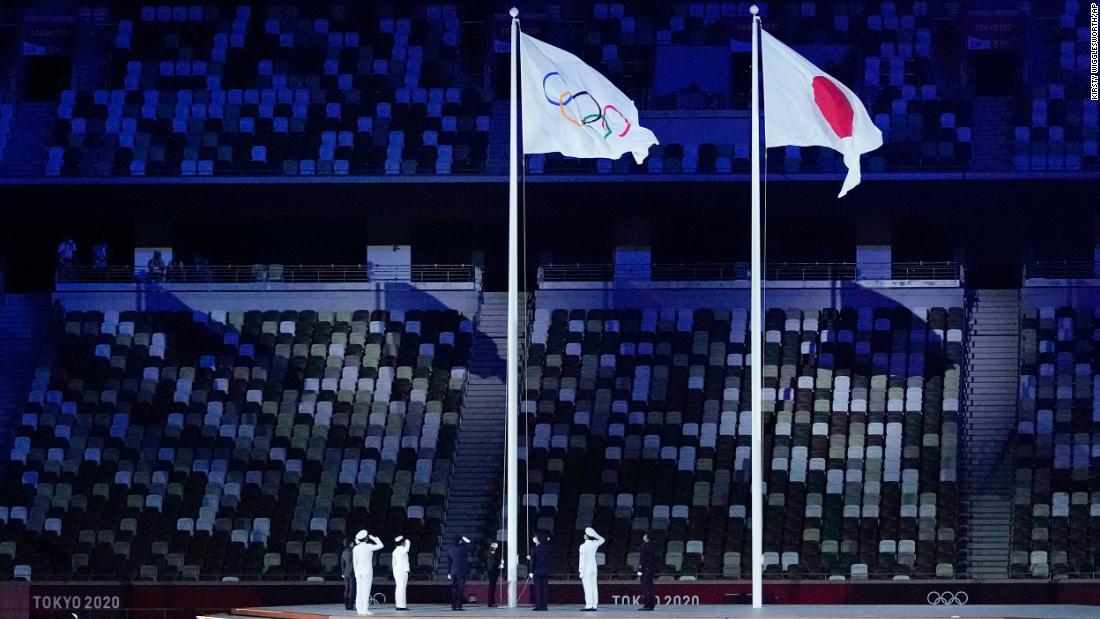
(947, 598)
(582, 109)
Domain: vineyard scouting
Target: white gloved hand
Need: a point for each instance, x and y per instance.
(448, 576)
(639, 573)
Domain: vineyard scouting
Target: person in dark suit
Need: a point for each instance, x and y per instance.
(458, 571)
(541, 560)
(649, 567)
(347, 570)
(493, 566)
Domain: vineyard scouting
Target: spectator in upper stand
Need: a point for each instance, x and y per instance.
(66, 252)
(99, 256)
(177, 271)
(156, 268)
(202, 269)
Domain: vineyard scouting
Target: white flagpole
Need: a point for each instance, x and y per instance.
(512, 427)
(756, 312)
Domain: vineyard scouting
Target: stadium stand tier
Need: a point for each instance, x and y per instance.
(409, 88)
(240, 445)
(861, 421)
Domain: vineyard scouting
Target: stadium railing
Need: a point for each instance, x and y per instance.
(782, 271)
(269, 273)
(1060, 269)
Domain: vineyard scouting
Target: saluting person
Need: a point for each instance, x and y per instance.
(588, 568)
(347, 570)
(649, 566)
(363, 559)
(400, 564)
(459, 569)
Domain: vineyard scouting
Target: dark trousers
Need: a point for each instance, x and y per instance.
(540, 593)
(349, 592)
(458, 592)
(649, 600)
(494, 575)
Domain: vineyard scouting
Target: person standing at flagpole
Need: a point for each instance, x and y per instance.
(493, 564)
(649, 566)
(540, 559)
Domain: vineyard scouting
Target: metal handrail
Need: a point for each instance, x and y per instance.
(1060, 269)
(782, 271)
(268, 273)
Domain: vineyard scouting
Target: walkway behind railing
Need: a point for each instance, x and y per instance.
(782, 271)
(270, 273)
(1060, 269)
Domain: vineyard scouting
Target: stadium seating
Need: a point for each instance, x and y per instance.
(316, 89)
(861, 439)
(247, 445)
(1056, 124)
(1056, 522)
(408, 88)
(6, 110)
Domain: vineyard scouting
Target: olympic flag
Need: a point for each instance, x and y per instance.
(804, 106)
(569, 108)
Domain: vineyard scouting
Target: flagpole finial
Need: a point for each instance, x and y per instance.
(514, 12)
(754, 9)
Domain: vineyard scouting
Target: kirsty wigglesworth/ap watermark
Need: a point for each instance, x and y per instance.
(1093, 77)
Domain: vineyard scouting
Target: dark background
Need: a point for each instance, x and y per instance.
(993, 226)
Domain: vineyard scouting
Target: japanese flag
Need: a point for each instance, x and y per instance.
(804, 106)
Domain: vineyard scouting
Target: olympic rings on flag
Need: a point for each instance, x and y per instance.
(581, 108)
(947, 598)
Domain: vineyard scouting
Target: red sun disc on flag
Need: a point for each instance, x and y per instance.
(834, 106)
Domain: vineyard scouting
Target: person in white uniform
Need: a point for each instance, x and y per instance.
(362, 558)
(400, 564)
(588, 570)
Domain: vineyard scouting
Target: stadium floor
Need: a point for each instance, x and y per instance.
(804, 611)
